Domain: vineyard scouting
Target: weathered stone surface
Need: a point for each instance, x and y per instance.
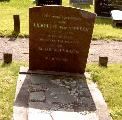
(85, 107)
(60, 39)
(37, 96)
(64, 93)
(37, 88)
(60, 95)
(40, 79)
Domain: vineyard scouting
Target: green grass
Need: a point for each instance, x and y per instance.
(8, 9)
(8, 77)
(109, 81)
(102, 29)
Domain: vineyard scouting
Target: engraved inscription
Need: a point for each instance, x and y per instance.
(51, 26)
(71, 51)
(56, 59)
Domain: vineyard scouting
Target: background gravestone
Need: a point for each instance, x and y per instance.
(48, 2)
(59, 38)
(104, 7)
(82, 1)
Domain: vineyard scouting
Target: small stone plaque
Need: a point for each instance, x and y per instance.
(59, 38)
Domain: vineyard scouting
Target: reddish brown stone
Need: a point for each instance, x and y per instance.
(59, 38)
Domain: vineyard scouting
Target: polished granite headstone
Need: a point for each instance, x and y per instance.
(59, 38)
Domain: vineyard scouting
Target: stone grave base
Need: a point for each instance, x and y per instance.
(57, 96)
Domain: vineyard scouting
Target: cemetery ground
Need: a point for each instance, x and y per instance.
(109, 79)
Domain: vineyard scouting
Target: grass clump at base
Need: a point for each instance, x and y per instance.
(8, 78)
(109, 81)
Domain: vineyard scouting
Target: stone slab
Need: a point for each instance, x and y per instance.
(116, 18)
(20, 107)
(116, 15)
(61, 115)
(92, 105)
(36, 114)
(101, 106)
(25, 70)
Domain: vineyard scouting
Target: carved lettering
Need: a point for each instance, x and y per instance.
(58, 50)
(62, 41)
(52, 26)
(56, 59)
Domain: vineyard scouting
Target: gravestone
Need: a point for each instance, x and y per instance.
(104, 7)
(82, 1)
(116, 18)
(59, 41)
(116, 4)
(48, 2)
(59, 38)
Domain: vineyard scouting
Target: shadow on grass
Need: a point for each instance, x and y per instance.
(14, 36)
(5, 65)
(103, 21)
(118, 25)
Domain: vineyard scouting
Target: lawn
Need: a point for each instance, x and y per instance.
(108, 79)
(102, 29)
(8, 77)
